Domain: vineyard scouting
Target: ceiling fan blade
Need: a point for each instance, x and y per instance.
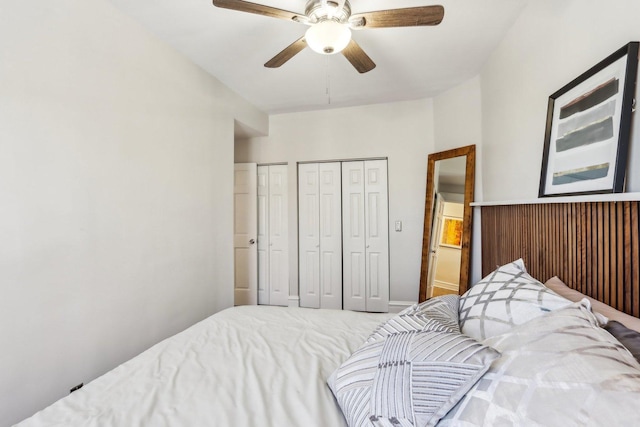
(408, 17)
(289, 52)
(358, 58)
(259, 9)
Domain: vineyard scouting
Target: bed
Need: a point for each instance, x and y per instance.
(511, 351)
(244, 366)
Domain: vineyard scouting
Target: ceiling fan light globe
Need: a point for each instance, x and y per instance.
(328, 37)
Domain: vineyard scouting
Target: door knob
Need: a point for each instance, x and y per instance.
(252, 241)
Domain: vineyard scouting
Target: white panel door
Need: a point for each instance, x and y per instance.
(278, 236)
(330, 235)
(263, 234)
(353, 236)
(245, 234)
(433, 245)
(377, 235)
(309, 235)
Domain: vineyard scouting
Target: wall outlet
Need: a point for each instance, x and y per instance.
(78, 387)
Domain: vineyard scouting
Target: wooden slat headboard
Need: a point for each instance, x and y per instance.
(593, 247)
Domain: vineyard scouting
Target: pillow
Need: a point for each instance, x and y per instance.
(627, 337)
(559, 369)
(428, 306)
(439, 313)
(409, 377)
(559, 287)
(505, 298)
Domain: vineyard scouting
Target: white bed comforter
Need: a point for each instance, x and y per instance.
(245, 366)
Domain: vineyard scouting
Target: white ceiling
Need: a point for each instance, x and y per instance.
(412, 63)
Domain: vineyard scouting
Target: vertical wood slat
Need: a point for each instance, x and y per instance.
(570, 244)
(593, 247)
(605, 242)
(626, 291)
(613, 248)
(634, 289)
(619, 255)
(597, 250)
(588, 259)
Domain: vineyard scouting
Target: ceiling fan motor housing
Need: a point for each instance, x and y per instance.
(322, 10)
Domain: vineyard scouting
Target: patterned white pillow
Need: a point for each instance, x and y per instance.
(409, 377)
(505, 298)
(439, 313)
(560, 369)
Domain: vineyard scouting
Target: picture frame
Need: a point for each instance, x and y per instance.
(451, 233)
(588, 129)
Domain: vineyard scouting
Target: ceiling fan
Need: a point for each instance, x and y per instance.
(331, 23)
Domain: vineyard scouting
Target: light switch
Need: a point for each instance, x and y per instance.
(398, 225)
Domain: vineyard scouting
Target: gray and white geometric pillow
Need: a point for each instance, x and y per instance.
(505, 298)
(436, 314)
(409, 378)
(561, 369)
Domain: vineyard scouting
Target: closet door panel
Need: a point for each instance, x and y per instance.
(263, 235)
(353, 236)
(309, 235)
(377, 235)
(330, 189)
(278, 236)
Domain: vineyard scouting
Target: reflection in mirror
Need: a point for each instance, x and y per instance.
(447, 230)
(446, 227)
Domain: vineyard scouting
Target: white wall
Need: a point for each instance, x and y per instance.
(551, 43)
(115, 195)
(504, 109)
(458, 122)
(402, 131)
(458, 116)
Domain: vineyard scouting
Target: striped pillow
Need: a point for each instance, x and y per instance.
(409, 377)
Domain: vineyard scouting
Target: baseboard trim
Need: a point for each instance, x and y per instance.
(394, 306)
(398, 306)
(446, 285)
(294, 301)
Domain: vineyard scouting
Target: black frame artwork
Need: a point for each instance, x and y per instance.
(588, 129)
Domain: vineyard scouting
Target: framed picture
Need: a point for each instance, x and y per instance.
(588, 129)
(451, 234)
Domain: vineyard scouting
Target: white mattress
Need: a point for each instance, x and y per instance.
(245, 366)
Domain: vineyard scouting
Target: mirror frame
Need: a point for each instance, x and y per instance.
(469, 185)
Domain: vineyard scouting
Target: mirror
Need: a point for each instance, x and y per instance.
(446, 242)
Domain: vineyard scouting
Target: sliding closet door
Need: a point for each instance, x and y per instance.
(245, 234)
(309, 234)
(353, 236)
(330, 220)
(377, 235)
(278, 236)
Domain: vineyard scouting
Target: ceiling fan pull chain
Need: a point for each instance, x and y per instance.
(328, 90)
